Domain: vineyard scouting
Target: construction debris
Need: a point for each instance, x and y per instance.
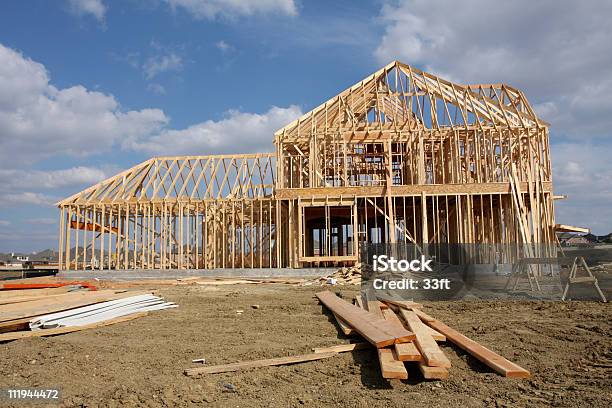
(51, 310)
(421, 348)
(100, 312)
(343, 276)
(402, 334)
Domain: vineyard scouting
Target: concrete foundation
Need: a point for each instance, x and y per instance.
(140, 274)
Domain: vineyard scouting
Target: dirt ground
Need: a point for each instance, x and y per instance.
(566, 346)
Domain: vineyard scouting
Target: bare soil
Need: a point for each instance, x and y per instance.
(567, 347)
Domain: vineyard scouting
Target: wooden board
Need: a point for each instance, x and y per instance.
(432, 354)
(25, 298)
(344, 327)
(374, 306)
(433, 373)
(390, 366)
(358, 301)
(343, 348)
(422, 315)
(406, 304)
(246, 365)
(13, 293)
(488, 357)
(437, 336)
(15, 325)
(63, 330)
(403, 351)
(407, 352)
(374, 329)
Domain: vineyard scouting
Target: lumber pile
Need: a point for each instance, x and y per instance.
(47, 311)
(404, 336)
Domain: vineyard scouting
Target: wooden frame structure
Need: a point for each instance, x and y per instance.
(402, 156)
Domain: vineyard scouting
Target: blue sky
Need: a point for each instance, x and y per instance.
(90, 87)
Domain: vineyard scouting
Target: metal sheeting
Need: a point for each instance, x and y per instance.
(100, 312)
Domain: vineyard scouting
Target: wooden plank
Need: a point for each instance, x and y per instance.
(407, 352)
(13, 293)
(22, 299)
(390, 366)
(63, 330)
(390, 315)
(571, 228)
(344, 327)
(422, 315)
(437, 336)
(486, 356)
(406, 304)
(358, 301)
(403, 351)
(15, 325)
(342, 348)
(374, 329)
(374, 306)
(433, 373)
(246, 365)
(432, 354)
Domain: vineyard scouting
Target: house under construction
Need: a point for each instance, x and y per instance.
(401, 156)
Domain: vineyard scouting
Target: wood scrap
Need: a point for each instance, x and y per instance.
(343, 276)
(246, 365)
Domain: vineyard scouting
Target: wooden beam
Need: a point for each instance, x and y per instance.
(429, 349)
(374, 329)
(571, 228)
(70, 329)
(247, 365)
(344, 327)
(433, 373)
(342, 348)
(486, 356)
(390, 365)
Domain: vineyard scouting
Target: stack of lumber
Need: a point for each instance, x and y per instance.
(343, 276)
(405, 336)
(50, 311)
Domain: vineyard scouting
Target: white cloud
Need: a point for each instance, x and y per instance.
(158, 64)
(238, 132)
(14, 179)
(38, 120)
(95, 8)
(224, 47)
(557, 53)
(232, 9)
(156, 88)
(4, 223)
(583, 171)
(26, 198)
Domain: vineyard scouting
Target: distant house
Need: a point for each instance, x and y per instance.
(570, 239)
